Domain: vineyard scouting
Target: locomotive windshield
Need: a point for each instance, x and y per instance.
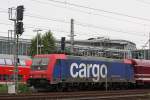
(40, 64)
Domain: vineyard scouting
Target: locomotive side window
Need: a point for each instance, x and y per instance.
(2, 61)
(40, 64)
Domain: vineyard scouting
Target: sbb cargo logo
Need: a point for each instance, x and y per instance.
(96, 71)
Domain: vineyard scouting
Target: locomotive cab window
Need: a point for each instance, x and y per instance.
(40, 64)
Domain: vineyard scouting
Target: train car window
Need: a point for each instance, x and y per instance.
(0, 77)
(2, 61)
(6, 77)
(9, 62)
(12, 77)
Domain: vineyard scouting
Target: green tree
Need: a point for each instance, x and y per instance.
(46, 44)
(33, 46)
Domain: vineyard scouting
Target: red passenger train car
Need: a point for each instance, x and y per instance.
(7, 69)
(141, 70)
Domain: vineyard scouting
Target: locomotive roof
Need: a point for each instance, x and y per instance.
(93, 58)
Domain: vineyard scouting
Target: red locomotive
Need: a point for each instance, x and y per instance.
(59, 71)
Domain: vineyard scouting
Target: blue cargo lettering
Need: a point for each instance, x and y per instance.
(84, 71)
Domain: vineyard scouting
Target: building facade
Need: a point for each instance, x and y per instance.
(92, 47)
(101, 47)
(7, 46)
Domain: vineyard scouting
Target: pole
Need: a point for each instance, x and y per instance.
(37, 42)
(15, 59)
(15, 48)
(106, 83)
(10, 41)
(72, 36)
(149, 48)
(149, 41)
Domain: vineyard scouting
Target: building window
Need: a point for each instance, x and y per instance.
(2, 61)
(9, 62)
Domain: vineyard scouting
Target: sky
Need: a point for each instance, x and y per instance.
(114, 19)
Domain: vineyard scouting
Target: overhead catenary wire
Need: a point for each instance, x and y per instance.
(89, 25)
(142, 1)
(99, 10)
(91, 13)
(106, 28)
(82, 24)
(58, 30)
(52, 19)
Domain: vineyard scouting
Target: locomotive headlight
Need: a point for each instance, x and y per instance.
(31, 76)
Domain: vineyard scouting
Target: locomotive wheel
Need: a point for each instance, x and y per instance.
(59, 87)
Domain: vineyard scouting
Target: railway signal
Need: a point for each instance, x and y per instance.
(20, 10)
(63, 43)
(19, 28)
(19, 18)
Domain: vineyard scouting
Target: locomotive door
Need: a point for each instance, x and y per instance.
(57, 71)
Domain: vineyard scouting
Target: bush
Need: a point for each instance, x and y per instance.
(23, 88)
(3, 88)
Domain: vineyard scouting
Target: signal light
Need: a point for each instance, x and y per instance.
(63, 43)
(19, 28)
(20, 10)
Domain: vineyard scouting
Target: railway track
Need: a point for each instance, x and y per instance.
(84, 95)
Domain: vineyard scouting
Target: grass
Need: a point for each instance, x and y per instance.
(3, 88)
(22, 88)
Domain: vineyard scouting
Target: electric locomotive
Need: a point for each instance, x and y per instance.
(62, 72)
